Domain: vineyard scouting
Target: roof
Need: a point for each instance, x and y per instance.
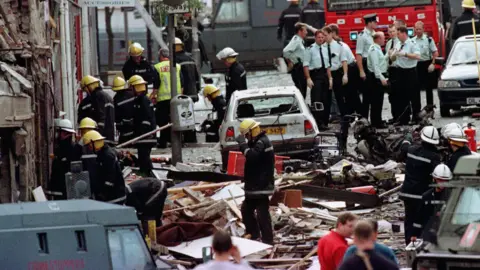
(64, 213)
(270, 91)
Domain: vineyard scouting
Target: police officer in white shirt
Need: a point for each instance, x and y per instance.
(392, 72)
(426, 64)
(377, 64)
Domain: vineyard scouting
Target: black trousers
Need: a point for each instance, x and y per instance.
(144, 160)
(256, 218)
(394, 92)
(340, 91)
(408, 94)
(374, 99)
(352, 98)
(162, 115)
(412, 209)
(363, 88)
(190, 136)
(321, 93)
(426, 80)
(298, 78)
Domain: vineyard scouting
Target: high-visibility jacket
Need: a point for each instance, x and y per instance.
(163, 69)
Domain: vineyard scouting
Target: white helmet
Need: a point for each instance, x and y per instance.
(225, 53)
(65, 125)
(178, 41)
(442, 172)
(449, 127)
(430, 135)
(456, 135)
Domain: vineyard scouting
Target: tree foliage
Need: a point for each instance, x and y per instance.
(159, 10)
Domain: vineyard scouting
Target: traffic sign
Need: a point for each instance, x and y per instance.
(107, 3)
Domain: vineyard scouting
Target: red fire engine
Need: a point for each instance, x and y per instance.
(348, 14)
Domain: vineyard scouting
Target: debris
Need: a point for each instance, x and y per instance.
(366, 200)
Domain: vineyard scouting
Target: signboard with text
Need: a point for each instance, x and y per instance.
(107, 3)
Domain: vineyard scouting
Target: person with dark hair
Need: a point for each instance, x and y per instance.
(224, 249)
(392, 72)
(377, 80)
(332, 247)
(287, 21)
(378, 247)
(294, 54)
(426, 65)
(365, 257)
(400, 23)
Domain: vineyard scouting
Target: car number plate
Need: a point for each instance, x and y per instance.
(274, 130)
(472, 100)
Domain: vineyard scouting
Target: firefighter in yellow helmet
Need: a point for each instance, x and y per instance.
(138, 65)
(102, 109)
(144, 122)
(108, 184)
(123, 103)
(460, 28)
(258, 177)
(213, 94)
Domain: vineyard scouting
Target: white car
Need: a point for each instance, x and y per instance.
(282, 113)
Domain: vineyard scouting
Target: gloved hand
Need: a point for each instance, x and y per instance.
(363, 75)
(310, 83)
(330, 83)
(345, 79)
(431, 68)
(240, 139)
(384, 82)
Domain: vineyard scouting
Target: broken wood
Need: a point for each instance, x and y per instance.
(331, 194)
(233, 207)
(390, 192)
(302, 261)
(277, 261)
(207, 176)
(184, 263)
(195, 196)
(202, 187)
(143, 136)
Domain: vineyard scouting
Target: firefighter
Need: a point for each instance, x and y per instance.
(377, 64)
(123, 103)
(106, 177)
(163, 95)
(421, 160)
(458, 145)
(462, 26)
(392, 72)
(85, 108)
(426, 64)
(86, 124)
(312, 14)
(258, 177)
(103, 111)
(191, 79)
(138, 65)
(289, 17)
(144, 122)
(294, 53)
(64, 154)
(88, 156)
(236, 77)
(219, 105)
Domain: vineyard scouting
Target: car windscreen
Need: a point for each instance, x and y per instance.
(128, 249)
(464, 53)
(467, 210)
(267, 105)
(339, 5)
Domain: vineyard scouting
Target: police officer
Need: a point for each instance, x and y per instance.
(377, 79)
(144, 122)
(316, 68)
(462, 26)
(259, 181)
(106, 178)
(103, 111)
(236, 77)
(364, 41)
(421, 160)
(64, 154)
(392, 72)
(163, 96)
(312, 14)
(219, 106)
(294, 53)
(426, 64)
(123, 103)
(405, 56)
(138, 65)
(458, 145)
(289, 17)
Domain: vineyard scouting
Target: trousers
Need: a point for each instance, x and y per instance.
(426, 80)
(340, 91)
(373, 99)
(394, 92)
(256, 218)
(352, 98)
(412, 209)
(144, 160)
(298, 78)
(162, 116)
(408, 96)
(321, 93)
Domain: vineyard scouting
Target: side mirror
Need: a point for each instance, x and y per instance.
(440, 61)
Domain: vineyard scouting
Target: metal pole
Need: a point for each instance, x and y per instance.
(143, 136)
(85, 42)
(176, 136)
(476, 48)
(150, 24)
(149, 35)
(195, 49)
(125, 29)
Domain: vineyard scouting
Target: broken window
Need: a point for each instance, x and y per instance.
(467, 210)
(263, 106)
(128, 250)
(233, 11)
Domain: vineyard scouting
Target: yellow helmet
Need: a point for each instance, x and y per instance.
(94, 137)
(247, 125)
(138, 83)
(87, 122)
(468, 4)
(88, 80)
(119, 84)
(135, 49)
(210, 89)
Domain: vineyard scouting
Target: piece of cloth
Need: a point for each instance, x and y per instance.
(331, 249)
(287, 20)
(124, 112)
(452, 162)
(214, 265)
(378, 248)
(257, 219)
(143, 69)
(235, 79)
(103, 112)
(174, 234)
(377, 261)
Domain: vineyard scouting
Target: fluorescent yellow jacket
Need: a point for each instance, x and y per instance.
(164, 92)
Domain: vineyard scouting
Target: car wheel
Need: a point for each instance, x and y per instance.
(444, 111)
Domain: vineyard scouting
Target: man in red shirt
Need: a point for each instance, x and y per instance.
(332, 247)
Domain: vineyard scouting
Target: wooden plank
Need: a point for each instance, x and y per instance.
(196, 198)
(202, 187)
(231, 204)
(366, 200)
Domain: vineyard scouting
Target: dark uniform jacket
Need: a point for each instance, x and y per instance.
(219, 105)
(289, 17)
(452, 162)
(85, 108)
(259, 166)
(109, 184)
(463, 25)
(147, 196)
(421, 161)
(143, 69)
(123, 101)
(313, 14)
(236, 79)
(429, 214)
(65, 153)
(191, 78)
(144, 120)
(103, 112)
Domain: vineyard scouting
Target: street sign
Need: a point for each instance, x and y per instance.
(183, 8)
(107, 3)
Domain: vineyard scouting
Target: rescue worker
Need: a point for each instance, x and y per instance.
(294, 53)
(163, 95)
(392, 72)
(219, 106)
(405, 56)
(144, 122)
(316, 68)
(258, 178)
(312, 14)
(64, 154)
(364, 41)
(191, 79)
(84, 108)
(86, 124)
(106, 179)
(377, 79)
(87, 156)
(462, 26)
(289, 17)
(236, 77)
(426, 65)
(123, 103)
(138, 65)
(458, 145)
(420, 163)
(103, 111)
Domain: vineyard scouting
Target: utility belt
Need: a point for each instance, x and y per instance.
(318, 74)
(352, 65)
(413, 69)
